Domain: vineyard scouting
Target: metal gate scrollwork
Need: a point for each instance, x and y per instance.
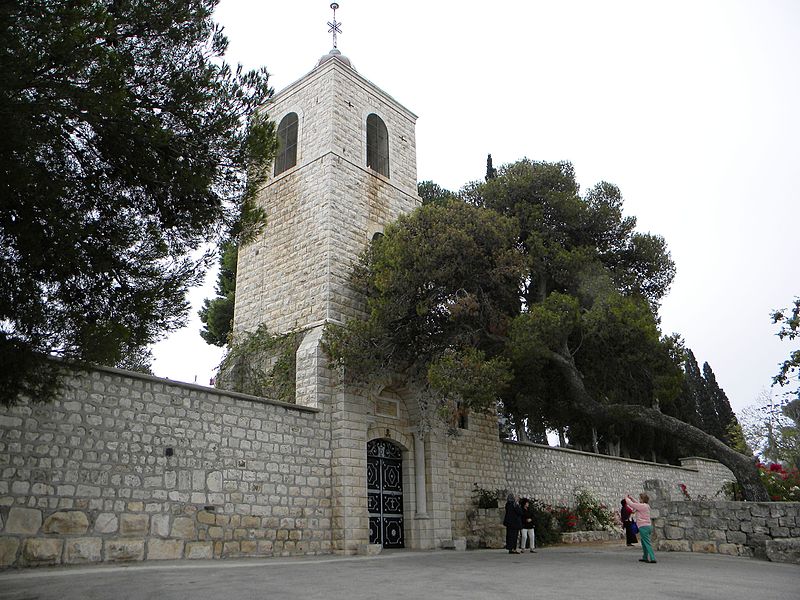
(385, 493)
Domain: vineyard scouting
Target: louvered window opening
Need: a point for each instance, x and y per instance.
(377, 145)
(287, 144)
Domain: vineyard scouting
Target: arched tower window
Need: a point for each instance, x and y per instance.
(287, 144)
(377, 145)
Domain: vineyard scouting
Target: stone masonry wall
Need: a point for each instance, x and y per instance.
(552, 475)
(475, 457)
(90, 478)
(736, 528)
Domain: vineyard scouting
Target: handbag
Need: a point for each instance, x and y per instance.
(634, 528)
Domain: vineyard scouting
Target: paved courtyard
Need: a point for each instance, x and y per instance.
(590, 572)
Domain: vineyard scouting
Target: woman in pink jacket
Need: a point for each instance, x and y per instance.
(642, 509)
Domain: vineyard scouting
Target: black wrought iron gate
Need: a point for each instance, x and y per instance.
(385, 493)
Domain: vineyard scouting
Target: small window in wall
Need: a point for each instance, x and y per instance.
(287, 144)
(377, 145)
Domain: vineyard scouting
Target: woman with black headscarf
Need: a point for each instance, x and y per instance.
(513, 523)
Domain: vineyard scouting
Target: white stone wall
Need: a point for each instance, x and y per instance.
(87, 478)
(475, 457)
(553, 474)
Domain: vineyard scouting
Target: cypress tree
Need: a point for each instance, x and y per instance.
(722, 407)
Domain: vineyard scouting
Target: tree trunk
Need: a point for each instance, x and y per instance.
(562, 439)
(742, 467)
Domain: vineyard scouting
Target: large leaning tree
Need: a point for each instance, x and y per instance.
(526, 292)
(124, 139)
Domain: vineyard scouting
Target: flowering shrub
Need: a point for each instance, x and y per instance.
(589, 514)
(547, 530)
(783, 485)
(688, 496)
(565, 518)
(592, 514)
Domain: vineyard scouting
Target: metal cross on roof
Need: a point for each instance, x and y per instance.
(334, 26)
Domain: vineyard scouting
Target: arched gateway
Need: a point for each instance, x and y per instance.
(385, 493)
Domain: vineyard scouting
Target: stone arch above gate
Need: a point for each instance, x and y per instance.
(390, 433)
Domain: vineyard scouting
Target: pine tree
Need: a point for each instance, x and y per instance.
(124, 141)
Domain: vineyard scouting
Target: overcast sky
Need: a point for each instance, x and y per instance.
(691, 107)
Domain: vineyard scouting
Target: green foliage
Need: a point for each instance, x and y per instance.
(556, 293)
(475, 305)
(432, 193)
(789, 320)
(588, 514)
(217, 313)
(262, 364)
(544, 524)
(441, 286)
(593, 515)
(123, 145)
(487, 498)
(464, 375)
(737, 440)
(704, 404)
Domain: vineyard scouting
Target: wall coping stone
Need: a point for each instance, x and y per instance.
(193, 386)
(607, 457)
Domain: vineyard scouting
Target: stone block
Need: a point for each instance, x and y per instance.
(124, 550)
(784, 550)
(199, 550)
(106, 523)
(159, 525)
(708, 547)
(736, 537)
(133, 525)
(214, 481)
(730, 549)
(83, 550)
(164, 549)
(23, 520)
(66, 522)
(8, 551)
(231, 549)
(674, 546)
(369, 549)
(206, 517)
(183, 527)
(42, 551)
(673, 533)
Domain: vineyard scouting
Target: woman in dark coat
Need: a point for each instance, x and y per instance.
(527, 525)
(625, 514)
(513, 523)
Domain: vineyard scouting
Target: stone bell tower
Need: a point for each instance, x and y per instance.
(346, 168)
